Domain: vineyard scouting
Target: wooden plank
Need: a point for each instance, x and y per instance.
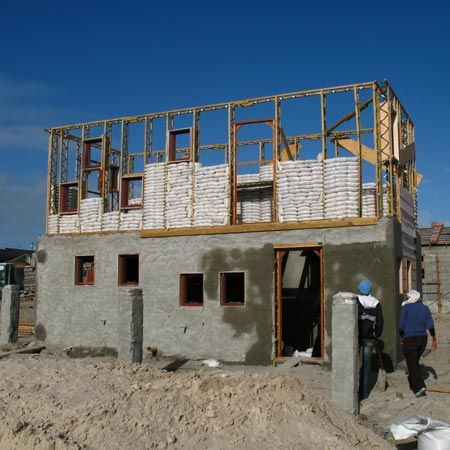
(287, 152)
(22, 351)
(351, 145)
(279, 302)
(367, 153)
(442, 390)
(297, 245)
(257, 227)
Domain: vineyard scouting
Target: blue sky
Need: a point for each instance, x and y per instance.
(64, 62)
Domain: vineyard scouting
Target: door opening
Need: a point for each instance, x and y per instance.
(299, 301)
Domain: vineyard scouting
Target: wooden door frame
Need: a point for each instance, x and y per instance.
(279, 252)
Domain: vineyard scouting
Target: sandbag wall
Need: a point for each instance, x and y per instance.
(179, 195)
(341, 188)
(369, 195)
(316, 190)
(211, 195)
(184, 194)
(300, 190)
(255, 197)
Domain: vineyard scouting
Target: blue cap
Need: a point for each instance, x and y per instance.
(365, 287)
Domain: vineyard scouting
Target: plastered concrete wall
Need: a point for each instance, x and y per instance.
(347, 264)
(87, 315)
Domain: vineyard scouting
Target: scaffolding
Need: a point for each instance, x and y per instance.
(106, 159)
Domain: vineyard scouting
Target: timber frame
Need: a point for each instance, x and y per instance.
(391, 150)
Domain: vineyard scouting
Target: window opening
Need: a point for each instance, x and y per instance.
(84, 270)
(232, 288)
(68, 198)
(191, 289)
(128, 270)
(180, 144)
(131, 196)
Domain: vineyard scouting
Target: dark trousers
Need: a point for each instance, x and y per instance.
(413, 347)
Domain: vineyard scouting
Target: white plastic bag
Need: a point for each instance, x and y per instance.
(414, 425)
(211, 363)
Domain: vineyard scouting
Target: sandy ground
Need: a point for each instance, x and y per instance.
(56, 402)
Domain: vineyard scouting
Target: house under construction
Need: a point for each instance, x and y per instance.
(238, 220)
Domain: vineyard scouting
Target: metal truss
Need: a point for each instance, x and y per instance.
(392, 131)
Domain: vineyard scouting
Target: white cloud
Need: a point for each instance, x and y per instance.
(24, 89)
(25, 110)
(23, 136)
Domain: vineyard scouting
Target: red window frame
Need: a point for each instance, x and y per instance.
(184, 279)
(64, 198)
(223, 289)
(83, 278)
(122, 270)
(126, 189)
(87, 162)
(173, 144)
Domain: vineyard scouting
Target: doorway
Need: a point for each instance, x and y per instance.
(299, 310)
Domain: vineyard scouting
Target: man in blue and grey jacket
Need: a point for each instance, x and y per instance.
(415, 320)
(370, 324)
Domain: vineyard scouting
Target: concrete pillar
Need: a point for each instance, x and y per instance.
(130, 325)
(344, 352)
(9, 321)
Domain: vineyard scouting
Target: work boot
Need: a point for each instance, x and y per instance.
(421, 392)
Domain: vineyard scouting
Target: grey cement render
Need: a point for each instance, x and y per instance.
(345, 360)
(130, 325)
(9, 318)
(69, 315)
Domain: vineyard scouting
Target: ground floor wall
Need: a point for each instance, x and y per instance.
(71, 315)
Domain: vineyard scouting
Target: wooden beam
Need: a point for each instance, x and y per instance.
(349, 116)
(297, 245)
(259, 227)
(286, 151)
(442, 390)
(286, 154)
(367, 153)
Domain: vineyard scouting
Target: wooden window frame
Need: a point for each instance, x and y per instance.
(173, 144)
(281, 250)
(125, 188)
(223, 291)
(64, 200)
(183, 290)
(121, 270)
(86, 158)
(79, 261)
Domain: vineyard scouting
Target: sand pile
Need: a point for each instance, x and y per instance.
(57, 402)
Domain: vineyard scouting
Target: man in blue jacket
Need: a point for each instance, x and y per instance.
(415, 320)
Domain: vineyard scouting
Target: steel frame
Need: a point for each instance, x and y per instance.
(392, 130)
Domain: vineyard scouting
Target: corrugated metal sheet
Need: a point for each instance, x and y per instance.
(444, 238)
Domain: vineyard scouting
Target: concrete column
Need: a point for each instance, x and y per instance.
(344, 352)
(130, 325)
(9, 321)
